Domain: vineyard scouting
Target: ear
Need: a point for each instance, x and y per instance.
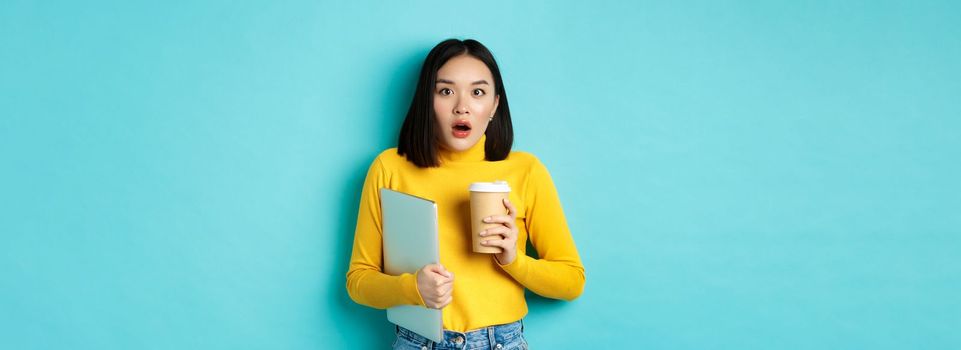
(497, 100)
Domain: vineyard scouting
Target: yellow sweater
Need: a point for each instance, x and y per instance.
(485, 292)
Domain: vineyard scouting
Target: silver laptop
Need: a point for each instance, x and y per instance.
(410, 242)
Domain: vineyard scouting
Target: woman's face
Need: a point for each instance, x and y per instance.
(464, 100)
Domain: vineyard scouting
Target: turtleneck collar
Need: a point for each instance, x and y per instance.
(474, 154)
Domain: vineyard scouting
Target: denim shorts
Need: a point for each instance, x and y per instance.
(500, 337)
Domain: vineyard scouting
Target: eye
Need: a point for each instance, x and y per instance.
(446, 91)
(479, 92)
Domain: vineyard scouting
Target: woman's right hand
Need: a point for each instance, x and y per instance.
(435, 285)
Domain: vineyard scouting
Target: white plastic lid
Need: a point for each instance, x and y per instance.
(496, 186)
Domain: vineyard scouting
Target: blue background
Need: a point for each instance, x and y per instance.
(766, 175)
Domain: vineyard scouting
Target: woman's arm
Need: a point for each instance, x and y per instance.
(559, 273)
(366, 282)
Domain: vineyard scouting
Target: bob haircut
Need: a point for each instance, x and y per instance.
(417, 138)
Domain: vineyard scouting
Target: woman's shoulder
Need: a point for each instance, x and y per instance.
(390, 158)
(525, 159)
(522, 156)
(388, 153)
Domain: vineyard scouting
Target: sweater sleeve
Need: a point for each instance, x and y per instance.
(558, 273)
(367, 284)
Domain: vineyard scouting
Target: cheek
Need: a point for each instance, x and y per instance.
(442, 106)
(484, 107)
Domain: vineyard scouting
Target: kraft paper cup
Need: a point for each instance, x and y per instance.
(486, 199)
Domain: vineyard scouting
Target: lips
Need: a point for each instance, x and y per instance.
(461, 128)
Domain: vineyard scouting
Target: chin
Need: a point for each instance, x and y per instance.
(460, 145)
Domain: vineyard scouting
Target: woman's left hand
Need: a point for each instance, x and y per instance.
(507, 231)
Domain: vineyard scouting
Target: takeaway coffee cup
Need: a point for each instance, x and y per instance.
(486, 199)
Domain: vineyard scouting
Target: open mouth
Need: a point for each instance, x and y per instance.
(462, 125)
(461, 129)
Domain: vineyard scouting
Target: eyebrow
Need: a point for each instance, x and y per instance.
(445, 81)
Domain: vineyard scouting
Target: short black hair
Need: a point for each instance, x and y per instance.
(417, 140)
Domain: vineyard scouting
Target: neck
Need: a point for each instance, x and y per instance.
(473, 154)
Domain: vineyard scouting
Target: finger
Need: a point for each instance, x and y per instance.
(439, 270)
(438, 279)
(496, 230)
(444, 272)
(443, 281)
(445, 290)
(445, 302)
(499, 219)
(503, 231)
(510, 208)
(432, 268)
(503, 243)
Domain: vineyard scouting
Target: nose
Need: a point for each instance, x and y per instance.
(461, 108)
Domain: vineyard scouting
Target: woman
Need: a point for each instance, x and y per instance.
(458, 131)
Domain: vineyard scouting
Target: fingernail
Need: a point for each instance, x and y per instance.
(483, 232)
(487, 219)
